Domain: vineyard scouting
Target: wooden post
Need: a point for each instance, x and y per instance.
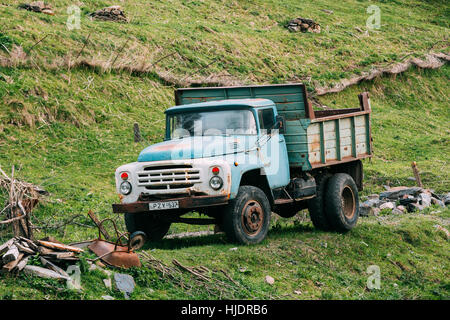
(137, 133)
(416, 174)
(99, 226)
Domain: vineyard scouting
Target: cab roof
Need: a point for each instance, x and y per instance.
(221, 105)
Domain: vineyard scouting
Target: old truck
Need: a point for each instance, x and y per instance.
(237, 154)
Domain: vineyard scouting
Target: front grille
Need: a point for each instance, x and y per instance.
(168, 177)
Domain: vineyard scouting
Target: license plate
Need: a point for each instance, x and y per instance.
(163, 205)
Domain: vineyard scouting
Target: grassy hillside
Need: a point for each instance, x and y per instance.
(68, 130)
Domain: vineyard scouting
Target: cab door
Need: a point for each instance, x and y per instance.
(272, 149)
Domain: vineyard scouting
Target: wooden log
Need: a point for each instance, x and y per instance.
(58, 246)
(5, 247)
(12, 264)
(416, 174)
(94, 218)
(22, 248)
(11, 255)
(60, 255)
(53, 267)
(45, 251)
(22, 263)
(30, 243)
(43, 273)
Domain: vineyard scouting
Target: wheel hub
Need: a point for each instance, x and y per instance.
(348, 202)
(252, 217)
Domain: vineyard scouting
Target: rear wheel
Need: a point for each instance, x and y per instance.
(316, 205)
(155, 229)
(342, 203)
(246, 218)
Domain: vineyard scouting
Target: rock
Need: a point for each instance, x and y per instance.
(270, 280)
(406, 199)
(38, 6)
(401, 208)
(327, 11)
(446, 199)
(396, 211)
(438, 202)
(411, 207)
(425, 199)
(376, 211)
(124, 283)
(373, 196)
(233, 249)
(303, 25)
(387, 205)
(112, 13)
(107, 298)
(365, 211)
(398, 192)
(107, 283)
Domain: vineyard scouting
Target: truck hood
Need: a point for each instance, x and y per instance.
(197, 147)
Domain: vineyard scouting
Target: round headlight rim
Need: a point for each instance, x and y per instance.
(216, 178)
(129, 186)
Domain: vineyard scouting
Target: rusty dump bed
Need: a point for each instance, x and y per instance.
(314, 139)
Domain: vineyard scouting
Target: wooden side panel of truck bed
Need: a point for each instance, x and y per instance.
(313, 138)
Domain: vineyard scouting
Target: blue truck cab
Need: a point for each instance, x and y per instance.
(237, 154)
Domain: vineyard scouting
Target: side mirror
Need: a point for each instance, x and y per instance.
(280, 124)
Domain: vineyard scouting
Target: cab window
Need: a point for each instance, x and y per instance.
(266, 118)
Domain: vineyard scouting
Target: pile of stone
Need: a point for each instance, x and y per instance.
(303, 25)
(112, 13)
(401, 200)
(38, 6)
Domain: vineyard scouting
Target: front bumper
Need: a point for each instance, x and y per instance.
(184, 203)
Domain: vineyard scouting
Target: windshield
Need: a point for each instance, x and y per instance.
(212, 123)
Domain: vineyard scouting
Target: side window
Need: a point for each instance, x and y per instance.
(266, 118)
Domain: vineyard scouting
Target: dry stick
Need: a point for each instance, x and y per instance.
(34, 45)
(84, 45)
(94, 218)
(120, 50)
(12, 220)
(159, 60)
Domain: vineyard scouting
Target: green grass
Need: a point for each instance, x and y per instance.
(246, 40)
(68, 130)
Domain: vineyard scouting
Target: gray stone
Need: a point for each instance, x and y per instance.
(401, 208)
(398, 192)
(446, 199)
(365, 211)
(107, 298)
(124, 283)
(438, 202)
(425, 199)
(387, 205)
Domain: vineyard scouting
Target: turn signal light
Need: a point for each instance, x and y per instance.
(215, 170)
(124, 176)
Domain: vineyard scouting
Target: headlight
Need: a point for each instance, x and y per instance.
(125, 188)
(216, 182)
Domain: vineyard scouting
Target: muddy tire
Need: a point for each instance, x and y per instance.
(153, 228)
(342, 202)
(316, 206)
(246, 218)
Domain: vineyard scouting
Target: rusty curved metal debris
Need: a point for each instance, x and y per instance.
(114, 253)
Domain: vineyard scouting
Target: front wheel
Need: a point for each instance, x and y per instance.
(246, 218)
(342, 203)
(153, 228)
